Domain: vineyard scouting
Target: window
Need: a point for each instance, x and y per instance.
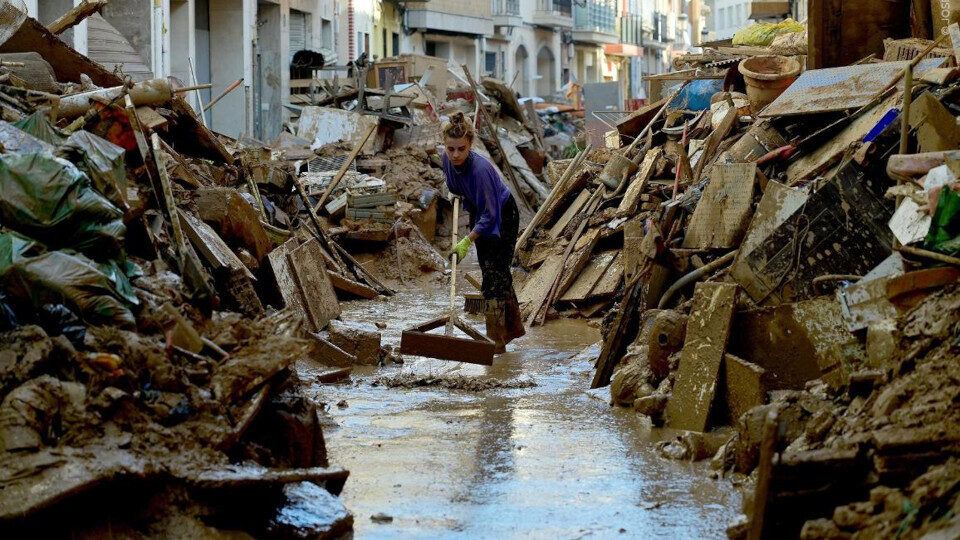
(722, 19)
(430, 48)
(490, 63)
(326, 34)
(396, 44)
(359, 43)
(385, 53)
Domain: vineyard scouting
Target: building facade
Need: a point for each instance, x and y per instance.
(535, 46)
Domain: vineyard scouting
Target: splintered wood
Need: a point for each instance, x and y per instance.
(707, 332)
(303, 281)
(320, 300)
(631, 198)
(724, 210)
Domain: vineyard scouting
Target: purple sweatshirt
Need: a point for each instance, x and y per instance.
(483, 192)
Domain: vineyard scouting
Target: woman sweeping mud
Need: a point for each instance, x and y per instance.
(494, 222)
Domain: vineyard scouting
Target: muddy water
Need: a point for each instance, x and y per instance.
(544, 461)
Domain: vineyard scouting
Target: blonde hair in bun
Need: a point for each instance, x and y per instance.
(458, 126)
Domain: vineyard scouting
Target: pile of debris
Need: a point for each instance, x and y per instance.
(781, 258)
(367, 154)
(159, 280)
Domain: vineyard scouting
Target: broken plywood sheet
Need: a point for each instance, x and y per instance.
(820, 159)
(708, 329)
(795, 343)
(67, 63)
(840, 88)
(309, 273)
(937, 129)
(722, 215)
(778, 203)
(582, 288)
(631, 198)
(326, 125)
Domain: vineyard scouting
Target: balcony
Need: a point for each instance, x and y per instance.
(594, 21)
(506, 13)
(426, 18)
(596, 35)
(553, 14)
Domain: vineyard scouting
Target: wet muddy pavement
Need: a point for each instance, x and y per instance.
(533, 455)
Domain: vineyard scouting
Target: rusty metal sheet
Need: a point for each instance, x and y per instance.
(840, 88)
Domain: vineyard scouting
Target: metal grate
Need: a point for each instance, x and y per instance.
(328, 164)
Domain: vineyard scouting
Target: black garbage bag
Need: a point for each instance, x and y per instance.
(101, 160)
(8, 319)
(49, 199)
(32, 277)
(57, 319)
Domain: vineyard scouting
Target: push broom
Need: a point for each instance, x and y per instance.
(476, 348)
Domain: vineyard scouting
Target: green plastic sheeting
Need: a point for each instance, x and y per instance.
(944, 234)
(49, 199)
(32, 277)
(38, 125)
(101, 161)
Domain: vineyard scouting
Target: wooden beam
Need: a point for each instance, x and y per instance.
(76, 15)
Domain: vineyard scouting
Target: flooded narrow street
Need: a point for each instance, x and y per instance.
(531, 455)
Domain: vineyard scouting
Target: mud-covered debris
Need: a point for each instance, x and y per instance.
(452, 382)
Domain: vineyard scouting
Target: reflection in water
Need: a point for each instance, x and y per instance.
(545, 462)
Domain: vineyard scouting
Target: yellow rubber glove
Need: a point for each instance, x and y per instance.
(462, 247)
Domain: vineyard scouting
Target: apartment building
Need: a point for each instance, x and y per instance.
(537, 46)
(594, 27)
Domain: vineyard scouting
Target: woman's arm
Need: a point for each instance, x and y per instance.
(489, 220)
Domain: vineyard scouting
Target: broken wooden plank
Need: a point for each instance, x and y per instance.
(244, 476)
(638, 185)
(478, 349)
(708, 330)
(539, 283)
(713, 141)
(235, 218)
(76, 15)
(149, 118)
(352, 287)
(582, 287)
(328, 352)
(572, 211)
(745, 386)
(209, 244)
(283, 276)
(724, 210)
(310, 274)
